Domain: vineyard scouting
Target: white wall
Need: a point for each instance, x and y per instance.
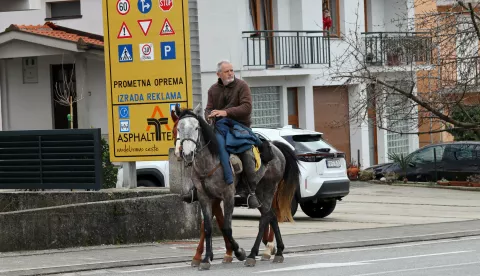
(30, 105)
(91, 21)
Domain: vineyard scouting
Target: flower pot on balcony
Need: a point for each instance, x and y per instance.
(393, 59)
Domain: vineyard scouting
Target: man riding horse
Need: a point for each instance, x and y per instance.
(229, 106)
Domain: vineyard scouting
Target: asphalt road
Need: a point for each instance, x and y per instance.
(434, 258)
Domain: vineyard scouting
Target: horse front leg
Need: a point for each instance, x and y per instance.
(217, 212)
(198, 255)
(208, 227)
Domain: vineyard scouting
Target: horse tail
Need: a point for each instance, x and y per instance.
(282, 201)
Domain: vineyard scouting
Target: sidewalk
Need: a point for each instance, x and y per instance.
(101, 257)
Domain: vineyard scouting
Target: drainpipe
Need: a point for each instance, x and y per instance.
(5, 120)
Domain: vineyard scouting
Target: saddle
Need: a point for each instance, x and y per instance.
(262, 155)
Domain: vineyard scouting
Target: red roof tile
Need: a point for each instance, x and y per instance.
(51, 30)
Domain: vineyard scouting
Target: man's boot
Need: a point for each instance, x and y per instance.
(191, 196)
(252, 200)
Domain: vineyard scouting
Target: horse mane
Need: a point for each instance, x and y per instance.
(207, 131)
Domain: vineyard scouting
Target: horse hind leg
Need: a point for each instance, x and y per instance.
(269, 244)
(278, 236)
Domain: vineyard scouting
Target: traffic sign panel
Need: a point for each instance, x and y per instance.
(123, 6)
(145, 25)
(144, 81)
(165, 5)
(167, 28)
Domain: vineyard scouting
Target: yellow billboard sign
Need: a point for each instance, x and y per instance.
(148, 71)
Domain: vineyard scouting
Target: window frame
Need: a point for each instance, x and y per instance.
(335, 18)
(48, 9)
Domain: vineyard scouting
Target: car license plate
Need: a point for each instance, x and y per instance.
(334, 163)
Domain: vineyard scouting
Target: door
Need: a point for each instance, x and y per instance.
(292, 98)
(461, 160)
(331, 113)
(64, 86)
(427, 164)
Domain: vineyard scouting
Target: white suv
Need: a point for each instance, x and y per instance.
(323, 169)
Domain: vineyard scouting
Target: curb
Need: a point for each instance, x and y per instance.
(294, 249)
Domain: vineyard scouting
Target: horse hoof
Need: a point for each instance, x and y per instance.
(195, 263)
(204, 266)
(266, 257)
(227, 259)
(250, 262)
(278, 259)
(241, 255)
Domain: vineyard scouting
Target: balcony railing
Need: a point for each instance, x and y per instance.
(397, 48)
(459, 72)
(287, 48)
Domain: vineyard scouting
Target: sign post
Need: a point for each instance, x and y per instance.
(148, 72)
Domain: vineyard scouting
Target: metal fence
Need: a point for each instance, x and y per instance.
(289, 48)
(397, 48)
(51, 159)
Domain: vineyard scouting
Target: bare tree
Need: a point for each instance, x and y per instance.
(423, 78)
(66, 91)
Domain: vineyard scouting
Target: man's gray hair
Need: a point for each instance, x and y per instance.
(220, 63)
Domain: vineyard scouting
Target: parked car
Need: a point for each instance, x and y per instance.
(451, 160)
(149, 174)
(323, 169)
(323, 179)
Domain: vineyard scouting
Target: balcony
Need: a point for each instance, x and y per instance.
(397, 48)
(459, 72)
(18, 5)
(281, 49)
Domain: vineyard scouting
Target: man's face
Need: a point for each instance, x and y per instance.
(226, 74)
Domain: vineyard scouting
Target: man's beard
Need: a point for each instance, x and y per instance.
(228, 80)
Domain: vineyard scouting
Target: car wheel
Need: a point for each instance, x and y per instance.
(294, 206)
(321, 209)
(146, 183)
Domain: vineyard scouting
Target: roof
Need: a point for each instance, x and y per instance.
(84, 40)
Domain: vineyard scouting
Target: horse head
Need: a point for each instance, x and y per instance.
(190, 132)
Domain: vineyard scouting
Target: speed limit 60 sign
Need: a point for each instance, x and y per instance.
(123, 6)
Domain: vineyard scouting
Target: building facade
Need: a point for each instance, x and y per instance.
(278, 47)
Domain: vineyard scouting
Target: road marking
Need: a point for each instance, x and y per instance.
(312, 266)
(151, 269)
(415, 269)
(381, 247)
(325, 265)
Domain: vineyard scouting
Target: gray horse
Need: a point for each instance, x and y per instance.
(196, 144)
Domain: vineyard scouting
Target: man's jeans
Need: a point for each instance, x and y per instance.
(224, 159)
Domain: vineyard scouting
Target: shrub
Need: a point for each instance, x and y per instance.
(109, 170)
(366, 175)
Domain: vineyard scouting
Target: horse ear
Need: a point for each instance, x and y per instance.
(173, 115)
(198, 110)
(177, 109)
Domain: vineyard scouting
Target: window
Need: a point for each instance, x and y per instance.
(459, 152)
(261, 12)
(428, 155)
(266, 106)
(333, 7)
(308, 143)
(63, 10)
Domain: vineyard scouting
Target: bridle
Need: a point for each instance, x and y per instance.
(197, 150)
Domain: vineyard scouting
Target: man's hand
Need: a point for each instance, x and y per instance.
(218, 113)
